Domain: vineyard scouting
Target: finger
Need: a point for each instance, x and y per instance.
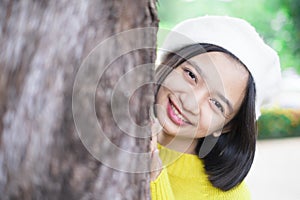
(155, 128)
(156, 165)
(153, 145)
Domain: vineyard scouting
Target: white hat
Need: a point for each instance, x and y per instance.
(238, 37)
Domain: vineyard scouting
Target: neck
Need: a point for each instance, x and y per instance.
(177, 143)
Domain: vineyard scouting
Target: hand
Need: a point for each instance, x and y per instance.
(156, 163)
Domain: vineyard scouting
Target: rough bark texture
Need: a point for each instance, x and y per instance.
(42, 45)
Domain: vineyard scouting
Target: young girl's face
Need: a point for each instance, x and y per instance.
(201, 95)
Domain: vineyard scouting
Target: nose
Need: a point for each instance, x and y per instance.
(192, 101)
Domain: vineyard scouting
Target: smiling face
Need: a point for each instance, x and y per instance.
(201, 95)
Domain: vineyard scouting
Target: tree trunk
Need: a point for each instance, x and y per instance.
(63, 104)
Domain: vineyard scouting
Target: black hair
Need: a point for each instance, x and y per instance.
(229, 161)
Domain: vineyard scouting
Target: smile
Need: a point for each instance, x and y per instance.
(175, 115)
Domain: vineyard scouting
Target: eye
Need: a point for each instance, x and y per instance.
(190, 74)
(217, 104)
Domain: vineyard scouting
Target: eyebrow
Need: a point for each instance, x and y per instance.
(196, 67)
(221, 96)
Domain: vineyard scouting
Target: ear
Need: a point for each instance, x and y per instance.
(226, 129)
(217, 133)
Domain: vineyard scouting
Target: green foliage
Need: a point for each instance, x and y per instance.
(277, 21)
(279, 123)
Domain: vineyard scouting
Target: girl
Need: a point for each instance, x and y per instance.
(214, 75)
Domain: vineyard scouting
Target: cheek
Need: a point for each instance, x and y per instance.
(176, 82)
(160, 95)
(209, 122)
(204, 125)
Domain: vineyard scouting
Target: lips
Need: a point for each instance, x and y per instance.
(175, 114)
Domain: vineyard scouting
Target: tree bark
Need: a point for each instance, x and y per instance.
(43, 47)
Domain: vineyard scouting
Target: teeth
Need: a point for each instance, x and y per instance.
(177, 113)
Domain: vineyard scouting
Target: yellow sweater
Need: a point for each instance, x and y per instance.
(184, 178)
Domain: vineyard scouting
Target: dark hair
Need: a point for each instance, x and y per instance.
(229, 161)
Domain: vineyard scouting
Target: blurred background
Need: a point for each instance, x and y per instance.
(275, 172)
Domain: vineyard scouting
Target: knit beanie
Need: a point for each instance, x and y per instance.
(239, 38)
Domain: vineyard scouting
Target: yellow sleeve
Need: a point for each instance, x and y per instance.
(161, 188)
